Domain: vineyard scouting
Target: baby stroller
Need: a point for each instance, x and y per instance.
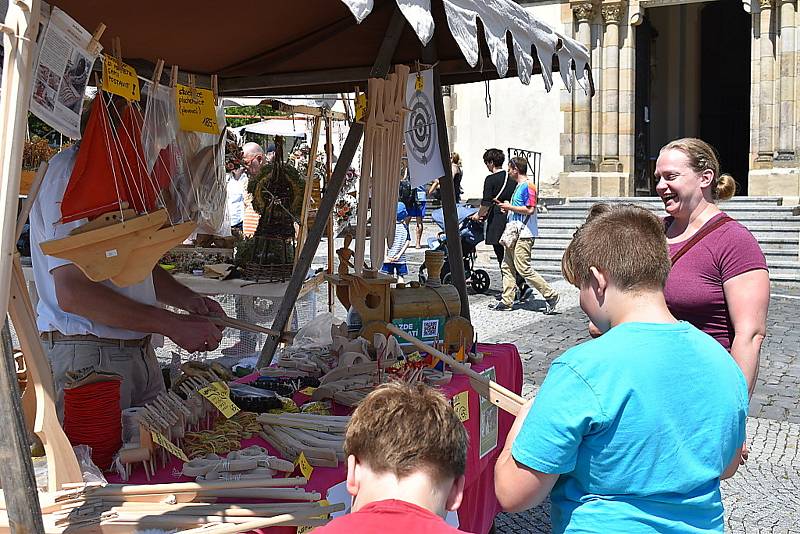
(471, 233)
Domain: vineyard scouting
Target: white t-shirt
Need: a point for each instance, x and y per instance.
(44, 217)
(236, 189)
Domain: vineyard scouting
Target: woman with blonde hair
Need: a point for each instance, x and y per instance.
(719, 280)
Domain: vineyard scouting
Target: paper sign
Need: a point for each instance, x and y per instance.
(196, 109)
(304, 530)
(461, 405)
(361, 106)
(173, 449)
(308, 391)
(419, 83)
(120, 79)
(218, 394)
(305, 468)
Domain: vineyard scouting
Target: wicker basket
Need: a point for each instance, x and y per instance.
(279, 272)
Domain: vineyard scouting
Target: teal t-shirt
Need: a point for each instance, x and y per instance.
(640, 423)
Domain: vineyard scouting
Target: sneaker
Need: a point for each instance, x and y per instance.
(500, 307)
(526, 294)
(550, 304)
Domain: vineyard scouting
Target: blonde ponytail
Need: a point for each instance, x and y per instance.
(725, 187)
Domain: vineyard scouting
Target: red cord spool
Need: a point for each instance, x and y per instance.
(93, 417)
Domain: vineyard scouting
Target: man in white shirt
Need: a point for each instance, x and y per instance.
(97, 324)
(236, 189)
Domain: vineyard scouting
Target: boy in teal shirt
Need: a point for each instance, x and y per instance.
(631, 431)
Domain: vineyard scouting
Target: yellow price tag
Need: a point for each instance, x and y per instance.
(461, 405)
(419, 83)
(305, 468)
(303, 530)
(196, 109)
(218, 394)
(308, 391)
(120, 79)
(361, 106)
(173, 449)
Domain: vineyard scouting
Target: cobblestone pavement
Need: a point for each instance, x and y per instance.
(764, 496)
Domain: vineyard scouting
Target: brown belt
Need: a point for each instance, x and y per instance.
(58, 337)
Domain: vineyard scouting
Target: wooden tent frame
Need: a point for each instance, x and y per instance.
(21, 498)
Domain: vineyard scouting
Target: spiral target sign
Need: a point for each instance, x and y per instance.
(421, 135)
(421, 126)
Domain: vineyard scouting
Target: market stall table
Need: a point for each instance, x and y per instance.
(486, 425)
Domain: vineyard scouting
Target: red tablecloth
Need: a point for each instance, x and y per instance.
(479, 506)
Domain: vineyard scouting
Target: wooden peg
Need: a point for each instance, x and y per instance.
(173, 76)
(94, 43)
(214, 86)
(156, 80)
(192, 82)
(116, 47)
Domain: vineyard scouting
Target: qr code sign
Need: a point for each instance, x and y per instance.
(430, 328)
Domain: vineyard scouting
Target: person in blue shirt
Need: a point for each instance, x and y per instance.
(630, 432)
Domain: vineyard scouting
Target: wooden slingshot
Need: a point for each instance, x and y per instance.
(492, 391)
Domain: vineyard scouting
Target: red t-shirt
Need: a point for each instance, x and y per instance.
(694, 288)
(388, 517)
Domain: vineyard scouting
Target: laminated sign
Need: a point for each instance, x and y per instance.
(218, 394)
(196, 109)
(120, 79)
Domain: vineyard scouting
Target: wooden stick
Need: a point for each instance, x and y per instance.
(285, 519)
(490, 390)
(312, 159)
(178, 487)
(238, 324)
(28, 205)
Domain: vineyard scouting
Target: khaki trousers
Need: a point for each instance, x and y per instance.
(142, 380)
(517, 260)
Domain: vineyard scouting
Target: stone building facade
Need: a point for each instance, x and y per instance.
(672, 68)
(722, 70)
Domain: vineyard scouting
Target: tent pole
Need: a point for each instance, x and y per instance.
(16, 469)
(22, 501)
(383, 62)
(449, 209)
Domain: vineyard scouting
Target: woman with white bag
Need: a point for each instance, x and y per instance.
(518, 238)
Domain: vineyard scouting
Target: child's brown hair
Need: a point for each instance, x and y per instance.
(401, 428)
(625, 241)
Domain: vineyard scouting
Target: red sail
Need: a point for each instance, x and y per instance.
(141, 189)
(91, 190)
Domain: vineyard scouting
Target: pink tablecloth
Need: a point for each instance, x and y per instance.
(479, 506)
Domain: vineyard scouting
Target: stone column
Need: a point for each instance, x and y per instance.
(610, 82)
(766, 134)
(582, 103)
(786, 111)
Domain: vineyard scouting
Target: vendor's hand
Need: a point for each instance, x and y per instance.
(200, 305)
(193, 333)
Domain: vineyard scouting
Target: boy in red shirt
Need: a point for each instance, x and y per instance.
(406, 456)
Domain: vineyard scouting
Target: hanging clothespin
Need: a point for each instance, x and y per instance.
(214, 87)
(419, 83)
(173, 76)
(156, 80)
(192, 83)
(95, 47)
(116, 47)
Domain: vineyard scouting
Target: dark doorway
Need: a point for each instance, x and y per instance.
(643, 182)
(725, 86)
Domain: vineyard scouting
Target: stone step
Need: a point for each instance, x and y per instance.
(773, 201)
(782, 275)
(748, 218)
(565, 231)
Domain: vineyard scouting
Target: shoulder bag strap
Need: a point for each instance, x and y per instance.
(697, 237)
(502, 188)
